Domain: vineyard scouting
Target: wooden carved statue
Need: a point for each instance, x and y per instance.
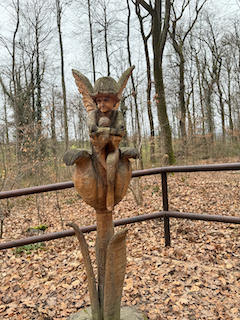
(101, 177)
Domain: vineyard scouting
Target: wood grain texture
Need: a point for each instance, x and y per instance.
(114, 275)
(89, 270)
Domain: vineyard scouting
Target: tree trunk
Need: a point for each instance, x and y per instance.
(222, 112)
(139, 136)
(59, 16)
(15, 103)
(91, 40)
(230, 106)
(149, 84)
(106, 39)
(202, 107)
(6, 120)
(182, 99)
(166, 135)
(210, 121)
(159, 41)
(53, 133)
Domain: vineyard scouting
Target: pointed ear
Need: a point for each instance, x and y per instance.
(123, 80)
(85, 88)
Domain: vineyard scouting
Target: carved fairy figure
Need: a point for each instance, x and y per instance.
(101, 177)
(106, 129)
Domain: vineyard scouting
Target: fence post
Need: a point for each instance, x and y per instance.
(165, 208)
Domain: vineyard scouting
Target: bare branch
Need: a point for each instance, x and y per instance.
(146, 6)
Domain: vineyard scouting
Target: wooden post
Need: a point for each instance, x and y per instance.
(104, 234)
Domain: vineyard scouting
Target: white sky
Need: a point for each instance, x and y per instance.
(76, 51)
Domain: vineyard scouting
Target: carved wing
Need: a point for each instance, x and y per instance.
(122, 83)
(85, 88)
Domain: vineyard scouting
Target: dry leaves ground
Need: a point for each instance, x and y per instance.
(198, 277)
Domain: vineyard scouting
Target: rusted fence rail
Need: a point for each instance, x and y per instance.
(165, 214)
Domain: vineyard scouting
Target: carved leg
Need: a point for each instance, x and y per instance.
(102, 159)
(112, 161)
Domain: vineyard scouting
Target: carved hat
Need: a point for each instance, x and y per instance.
(103, 86)
(106, 85)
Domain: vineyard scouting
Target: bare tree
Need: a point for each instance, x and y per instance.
(145, 39)
(134, 89)
(178, 39)
(36, 16)
(160, 26)
(14, 96)
(59, 11)
(91, 40)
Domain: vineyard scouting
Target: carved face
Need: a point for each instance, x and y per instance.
(105, 104)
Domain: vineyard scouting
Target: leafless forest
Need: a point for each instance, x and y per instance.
(181, 106)
(181, 103)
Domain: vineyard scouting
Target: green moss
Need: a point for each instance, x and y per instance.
(29, 248)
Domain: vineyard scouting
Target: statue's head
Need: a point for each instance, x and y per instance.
(105, 94)
(105, 87)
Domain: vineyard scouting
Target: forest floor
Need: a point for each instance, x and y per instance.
(198, 277)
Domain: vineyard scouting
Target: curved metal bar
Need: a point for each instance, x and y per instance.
(139, 173)
(38, 189)
(145, 217)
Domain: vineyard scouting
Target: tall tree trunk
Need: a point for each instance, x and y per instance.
(6, 120)
(178, 44)
(15, 98)
(38, 84)
(209, 112)
(91, 40)
(159, 40)
(193, 107)
(106, 39)
(149, 83)
(139, 136)
(53, 127)
(59, 17)
(202, 107)
(160, 30)
(222, 112)
(182, 99)
(53, 133)
(229, 105)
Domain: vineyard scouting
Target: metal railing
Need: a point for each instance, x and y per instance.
(165, 214)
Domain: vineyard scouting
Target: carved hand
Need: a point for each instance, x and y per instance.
(101, 133)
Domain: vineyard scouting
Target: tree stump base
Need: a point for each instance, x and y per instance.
(127, 313)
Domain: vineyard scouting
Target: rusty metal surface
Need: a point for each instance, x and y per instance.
(165, 208)
(70, 232)
(139, 173)
(192, 168)
(163, 214)
(38, 189)
(206, 217)
(150, 216)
